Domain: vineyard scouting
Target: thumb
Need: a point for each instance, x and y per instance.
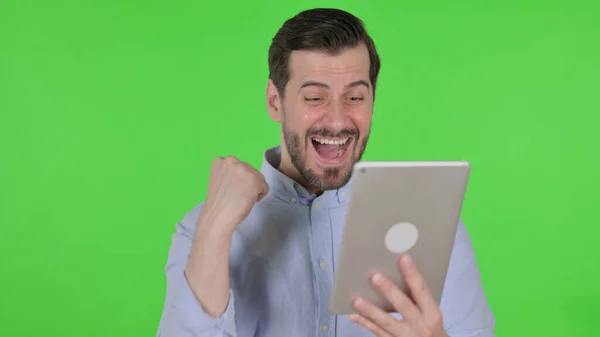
(263, 192)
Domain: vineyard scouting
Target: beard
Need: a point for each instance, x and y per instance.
(333, 177)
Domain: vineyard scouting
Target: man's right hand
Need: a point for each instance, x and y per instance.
(233, 189)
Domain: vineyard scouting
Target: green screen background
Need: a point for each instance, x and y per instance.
(111, 112)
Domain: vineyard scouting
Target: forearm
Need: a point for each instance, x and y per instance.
(207, 270)
(191, 252)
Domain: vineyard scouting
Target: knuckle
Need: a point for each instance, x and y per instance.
(387, 285)
(437, 319)
(400, 300)
(261, 185)
(389, 323)
(422, 286)
(243, 165)
(255, 182)
(216, 164)
(240, 167)
(368, 324)
(425, 331)
(415, 279)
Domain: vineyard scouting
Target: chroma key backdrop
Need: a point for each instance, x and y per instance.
(111, 112)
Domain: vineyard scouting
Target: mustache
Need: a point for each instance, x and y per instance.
(323, 132)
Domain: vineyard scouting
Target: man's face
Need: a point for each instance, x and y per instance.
(326, 115)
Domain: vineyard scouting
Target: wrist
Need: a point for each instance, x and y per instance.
(211, 243)
(211, 225)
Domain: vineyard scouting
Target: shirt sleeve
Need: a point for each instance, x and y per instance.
(182, 315)
(464, 304)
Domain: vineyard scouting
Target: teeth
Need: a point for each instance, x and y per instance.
(331, 141)
(341, 151)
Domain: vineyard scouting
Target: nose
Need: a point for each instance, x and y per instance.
(335, 116)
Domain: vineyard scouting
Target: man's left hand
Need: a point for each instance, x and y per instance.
(421, 318)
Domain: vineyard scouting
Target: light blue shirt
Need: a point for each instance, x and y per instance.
(282, 266)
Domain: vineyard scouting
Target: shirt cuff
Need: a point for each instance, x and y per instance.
(193, 315)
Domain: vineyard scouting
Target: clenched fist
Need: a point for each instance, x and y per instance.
(233, 189)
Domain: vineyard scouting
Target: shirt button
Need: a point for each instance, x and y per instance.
(318, 206)
(325, 327)
(343, 194)
(322, 264)
(293, 200)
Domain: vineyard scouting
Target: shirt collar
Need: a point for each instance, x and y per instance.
(289, 191)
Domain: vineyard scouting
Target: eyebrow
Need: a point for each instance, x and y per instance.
(325, 86)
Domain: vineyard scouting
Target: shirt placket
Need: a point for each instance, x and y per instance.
(322, 256)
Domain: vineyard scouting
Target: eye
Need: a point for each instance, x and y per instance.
(355, 99)
(315, 99)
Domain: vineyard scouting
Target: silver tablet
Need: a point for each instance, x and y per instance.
(398, 207)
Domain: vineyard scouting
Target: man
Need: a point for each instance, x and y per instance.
(257, 258)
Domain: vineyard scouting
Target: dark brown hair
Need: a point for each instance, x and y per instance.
(320, 29)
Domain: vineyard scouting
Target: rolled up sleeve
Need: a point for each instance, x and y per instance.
(464, 304)
(182, 315)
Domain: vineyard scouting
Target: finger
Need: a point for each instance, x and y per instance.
(418, 287)
(369, 325)
(232, 159)
(263, 193)
(379, 317)
(262, 186)
(399, 300)
(216, 163)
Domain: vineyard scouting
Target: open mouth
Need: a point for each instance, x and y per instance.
(331, 151)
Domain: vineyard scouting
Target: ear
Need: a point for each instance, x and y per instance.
(274, 102)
